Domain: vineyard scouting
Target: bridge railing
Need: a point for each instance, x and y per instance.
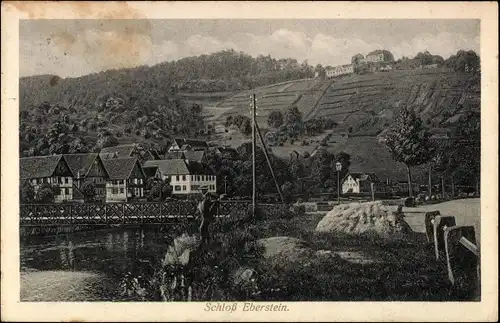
(127, 213)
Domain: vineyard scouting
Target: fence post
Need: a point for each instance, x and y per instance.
(440, 222)
(458, 240)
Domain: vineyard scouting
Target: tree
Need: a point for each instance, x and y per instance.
(27, 193)
(246, 126)
(408, 141)
(89, 190)
(275, 119)
(46, 194)
(293, 115)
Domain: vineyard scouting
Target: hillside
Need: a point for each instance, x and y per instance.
(362, 106)
(196, 78)
(365, 102)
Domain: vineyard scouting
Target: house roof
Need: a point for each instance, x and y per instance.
(196, 155)
(174, 155)
(191, 142)
(80, 163)
(169, 166)
(150, 171)
(369, 176)
(38, 166)
(228, 151)
(117, 151)
(120, 168)
(343, 66)
(154, 153)
(178, 167)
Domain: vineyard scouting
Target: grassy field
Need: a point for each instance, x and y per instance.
(369, 268)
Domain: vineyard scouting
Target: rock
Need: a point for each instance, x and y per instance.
(289, 248)
(364, 218)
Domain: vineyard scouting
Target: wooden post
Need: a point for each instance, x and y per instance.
(462, 254)
(373, 191)
(254, 177)
(440, 223)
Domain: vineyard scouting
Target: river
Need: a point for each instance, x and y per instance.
(92, 262)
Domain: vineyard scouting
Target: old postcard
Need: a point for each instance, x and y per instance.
(249, 161)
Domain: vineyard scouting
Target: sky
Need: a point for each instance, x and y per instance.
(71, 48)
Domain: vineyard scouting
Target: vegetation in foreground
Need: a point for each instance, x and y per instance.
(232, 268)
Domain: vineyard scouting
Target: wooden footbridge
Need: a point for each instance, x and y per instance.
(126, 213)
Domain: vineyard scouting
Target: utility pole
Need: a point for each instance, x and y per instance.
(254, 178)
(269, 162)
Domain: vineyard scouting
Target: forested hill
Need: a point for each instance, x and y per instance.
(222, 71)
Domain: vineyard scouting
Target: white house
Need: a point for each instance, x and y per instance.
(53, 170)
(126, 179)
(185, 176)
(355, 182)
(340, 70)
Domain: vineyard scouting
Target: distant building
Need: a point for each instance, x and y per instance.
(129, 150)
(340, 70)
(185, 177)
(185, 144)
(379, 55)
(53, 170)
(126, 179)
(88, 167)
(355, 182)
(188, 154)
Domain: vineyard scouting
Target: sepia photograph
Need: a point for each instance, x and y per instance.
(234, 162)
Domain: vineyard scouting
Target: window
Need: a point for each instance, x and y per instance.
(114, 191)
(140, 180)
(135, 181)
(33, 181)
(177, 177)
(177, 187)
(66, 191)
(121, 190)
(183, 177)
(183, 187)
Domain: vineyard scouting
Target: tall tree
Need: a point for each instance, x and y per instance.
(408, 141)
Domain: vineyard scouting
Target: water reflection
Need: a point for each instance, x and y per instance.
(111, 251)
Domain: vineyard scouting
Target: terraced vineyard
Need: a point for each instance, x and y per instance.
(435, 94)
(439, 95)
(304, 94)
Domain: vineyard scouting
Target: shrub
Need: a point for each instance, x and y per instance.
(299, 210)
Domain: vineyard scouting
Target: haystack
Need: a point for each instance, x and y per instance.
(372, 218)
